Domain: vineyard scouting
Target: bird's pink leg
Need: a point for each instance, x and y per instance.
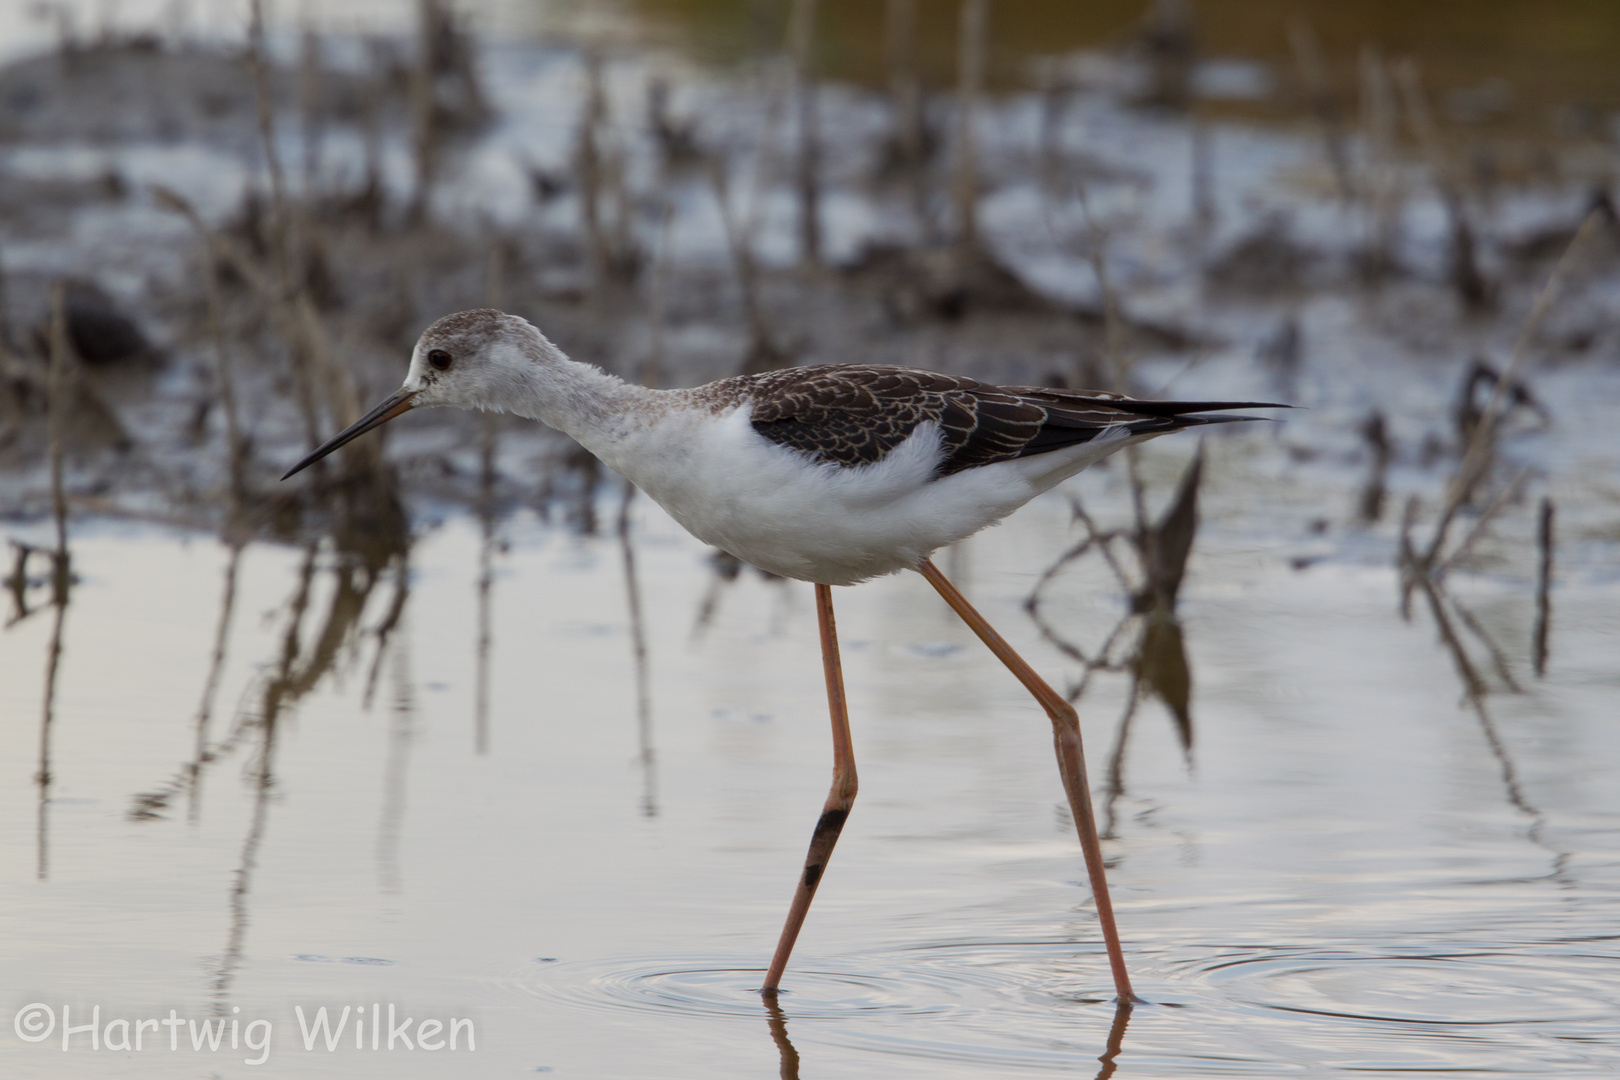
(839, 800)
(1071, 763)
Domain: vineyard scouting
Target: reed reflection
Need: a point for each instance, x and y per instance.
(60, 386)
(489, 514)
(1475, 488)
(61, 583)
(1442, 608)
(278, 692)
(1156, 657)
(311, 647)
(299, 670)
(216, 666)
(646, 754)
(401, 736)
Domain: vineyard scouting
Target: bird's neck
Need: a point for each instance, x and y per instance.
(583, 401)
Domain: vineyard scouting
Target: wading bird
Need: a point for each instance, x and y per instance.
(831, 474)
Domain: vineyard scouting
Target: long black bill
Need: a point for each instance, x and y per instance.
(399, 402)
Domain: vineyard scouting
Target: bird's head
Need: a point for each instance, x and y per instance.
(479, 359)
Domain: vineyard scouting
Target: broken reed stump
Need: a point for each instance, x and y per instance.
(57, 404)
(1161, 657)
(1544, 571)
(1370, 503)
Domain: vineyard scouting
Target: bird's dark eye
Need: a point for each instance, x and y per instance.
(439, 359)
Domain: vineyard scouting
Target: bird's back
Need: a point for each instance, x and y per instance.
(839, 473)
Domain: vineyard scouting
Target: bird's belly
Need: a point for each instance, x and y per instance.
(785, 513)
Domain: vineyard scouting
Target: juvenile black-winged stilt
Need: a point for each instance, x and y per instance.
(829, 474)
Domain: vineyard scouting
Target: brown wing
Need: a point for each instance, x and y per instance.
(854, 414)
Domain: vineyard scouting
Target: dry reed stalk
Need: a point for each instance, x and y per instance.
(424, 114)
(763, 354)
(1313, 72)
(1116, 362)
(652, 366)
(1480, 451)
(488, 448)
(236, 443)
(259, 63)
(975, 15)
(488, 424)
(313, 365)
(313, 129)
(58, 385)
(1203, 176)
(1378, 115)
(1499, 502)
(588, 165)
(304, 379)
(906, 93)
(600, 171)
(800, 46)
(1471, 286)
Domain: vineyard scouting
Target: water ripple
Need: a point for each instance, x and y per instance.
(709, 987)
(1210, 1010)
(1469, 988)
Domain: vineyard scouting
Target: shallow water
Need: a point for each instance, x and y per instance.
(1351, 874)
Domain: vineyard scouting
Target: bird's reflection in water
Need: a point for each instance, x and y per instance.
(1116, 1040)
(777, 1021)
(788, 1054)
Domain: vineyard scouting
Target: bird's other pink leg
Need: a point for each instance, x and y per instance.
(839, 800)
(1071, 764)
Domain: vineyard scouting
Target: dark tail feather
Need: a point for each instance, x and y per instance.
(1160, 424)
(1181, 408)
(1150, 418)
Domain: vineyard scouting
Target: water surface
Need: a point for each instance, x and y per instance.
(1350, 873)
